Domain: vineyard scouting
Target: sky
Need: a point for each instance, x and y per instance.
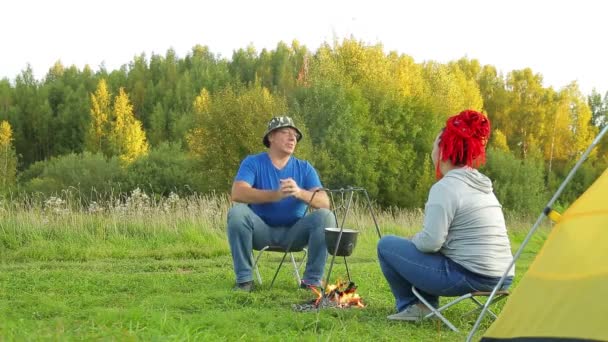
(564, 41)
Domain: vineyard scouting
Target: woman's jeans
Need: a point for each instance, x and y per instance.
(432, 274)
(247, 231)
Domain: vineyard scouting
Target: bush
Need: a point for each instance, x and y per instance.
(580, 182)
(90, 175)
(518, 184)
(166, 169)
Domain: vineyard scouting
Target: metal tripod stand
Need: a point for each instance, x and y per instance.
(350, 191)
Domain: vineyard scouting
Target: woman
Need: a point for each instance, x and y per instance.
(463, 246)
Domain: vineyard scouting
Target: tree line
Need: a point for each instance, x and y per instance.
(169, 124)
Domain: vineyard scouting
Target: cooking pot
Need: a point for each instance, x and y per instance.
(348, 241)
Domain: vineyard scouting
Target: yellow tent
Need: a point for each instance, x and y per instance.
(564, 294)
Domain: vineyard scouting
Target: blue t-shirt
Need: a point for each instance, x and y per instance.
(259, 172)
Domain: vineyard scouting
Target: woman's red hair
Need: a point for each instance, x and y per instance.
(464, 139)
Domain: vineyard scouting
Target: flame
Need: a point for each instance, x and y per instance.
(344, 298)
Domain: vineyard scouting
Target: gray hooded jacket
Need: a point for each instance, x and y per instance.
(464, 221)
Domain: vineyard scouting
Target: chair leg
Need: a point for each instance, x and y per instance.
(278, 269)
(303, 258)
(480, 305)
(255, 263)
(293, 261)
(435, 311)
(295, 268)
(454, 302)
(255, 267)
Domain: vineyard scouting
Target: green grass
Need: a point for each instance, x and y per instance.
(166, 274)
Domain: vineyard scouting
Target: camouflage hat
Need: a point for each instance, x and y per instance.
(280, 122)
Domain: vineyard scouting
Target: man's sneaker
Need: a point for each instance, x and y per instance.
(304, 285)
(245, 287)
(411, 313)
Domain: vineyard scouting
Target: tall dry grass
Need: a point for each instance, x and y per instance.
(142, 225)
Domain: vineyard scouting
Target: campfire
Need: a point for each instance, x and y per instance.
(339, 295)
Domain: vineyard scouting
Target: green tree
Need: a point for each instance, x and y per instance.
(68, 100)
(73, 120)
(263, 69)
(518, 184)
(494, 95)
(242, 67)
(599, 108)
(207, 71)
(7, 102)
(31, 119)
(424, 181)
(137, 81)
(159, 125)
(229, 126)
(352, 95)
(337, 117)
(285, 66)
(408, 131)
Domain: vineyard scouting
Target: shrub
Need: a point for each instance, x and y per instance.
(518, 184)
(166, 169)
(90, 175)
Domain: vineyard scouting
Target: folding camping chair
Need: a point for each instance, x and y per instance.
(499, 295)
(283, 250)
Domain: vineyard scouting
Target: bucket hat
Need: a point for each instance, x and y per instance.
(280, 122)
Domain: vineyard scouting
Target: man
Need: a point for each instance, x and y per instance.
(271, 192)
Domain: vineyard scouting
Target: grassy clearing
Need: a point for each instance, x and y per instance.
(162, 271)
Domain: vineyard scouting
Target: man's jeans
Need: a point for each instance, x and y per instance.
(433, 274)
(247, 231)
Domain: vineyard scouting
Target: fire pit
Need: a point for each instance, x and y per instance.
(338, 296)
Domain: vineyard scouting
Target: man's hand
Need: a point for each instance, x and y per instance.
(289, 187)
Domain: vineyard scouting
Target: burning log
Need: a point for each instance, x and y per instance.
(336, 296)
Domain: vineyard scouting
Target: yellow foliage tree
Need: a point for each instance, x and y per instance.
(230, 125)
(409, 76)
(499, 141)
(202, 105)
(8, 158)
(568, 131)
(452, 91)
(127, 137)
(526, 113)
(580, 116)
(202, 102)
(96, 139)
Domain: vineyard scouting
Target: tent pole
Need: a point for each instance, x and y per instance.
(545, 212)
